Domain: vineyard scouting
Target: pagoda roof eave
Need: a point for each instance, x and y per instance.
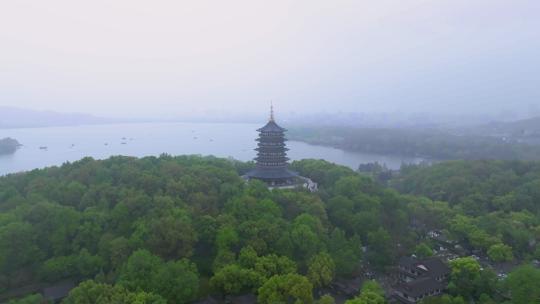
(271, 126)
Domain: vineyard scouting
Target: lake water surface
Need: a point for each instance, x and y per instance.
(144, 139)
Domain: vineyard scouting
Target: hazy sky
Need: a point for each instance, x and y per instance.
(170, 58)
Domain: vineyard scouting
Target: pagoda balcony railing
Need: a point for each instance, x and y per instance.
(271, 146)
(272, 149)
(271, 153)
(271, 139)
(271, 165)
(270, 160)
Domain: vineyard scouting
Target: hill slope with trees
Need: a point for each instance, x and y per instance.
(176, 229)
(425, 143)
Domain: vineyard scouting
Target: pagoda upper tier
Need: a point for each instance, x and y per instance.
(271, 127)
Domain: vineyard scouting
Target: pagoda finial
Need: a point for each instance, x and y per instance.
(271, 111)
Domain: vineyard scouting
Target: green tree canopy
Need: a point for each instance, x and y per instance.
(321, 269)
(422, 250)
(289, 288)
(271, 265)
(177, 281)
(233, 279)
(465, 271)
(500, 253)
(90, 292)
(140, 270)
(524, 285)
(30, 299)
(326, 299)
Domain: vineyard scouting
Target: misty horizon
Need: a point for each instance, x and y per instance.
(16, 117)
(130, 59)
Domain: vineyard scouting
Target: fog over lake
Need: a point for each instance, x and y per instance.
(145, 139)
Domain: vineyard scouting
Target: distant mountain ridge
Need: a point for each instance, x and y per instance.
(11, 117)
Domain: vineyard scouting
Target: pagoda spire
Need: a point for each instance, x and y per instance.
(271, 111)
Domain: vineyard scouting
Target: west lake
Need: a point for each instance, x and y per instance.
(44, 147)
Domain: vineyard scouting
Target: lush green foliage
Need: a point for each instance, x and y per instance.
(90, 292)
(491, 206)
(162, 226)
(30, 299)
(321, 269)
(371, 293)
(177, 281)
(465, 271)
(289, 288)
(524, 285)
(422, 250)
(488, 206)
(172, 229)
(326, 299)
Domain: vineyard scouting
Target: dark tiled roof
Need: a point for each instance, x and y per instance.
(59, 291)
(421, 286)
(401, 299)
(243, 299)
(348, 287)
(208, 300)
(432, 267)
(408, 262)
(271, 126)
(436, 267)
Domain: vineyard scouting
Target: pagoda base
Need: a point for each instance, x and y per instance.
(287, 183)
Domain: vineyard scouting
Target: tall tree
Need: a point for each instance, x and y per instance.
(321, 269)
(233, 279)
(140, 271)
(465, 271)
(178, 281)
(289, 288)
(524, 285)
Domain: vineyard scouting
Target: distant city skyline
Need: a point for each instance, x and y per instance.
(14, 117)
(171, 59)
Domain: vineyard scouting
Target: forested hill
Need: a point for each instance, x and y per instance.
(182, 227)
(177, 229)
(425, 143)
(491, 206)
(485, 185)
(8, 145)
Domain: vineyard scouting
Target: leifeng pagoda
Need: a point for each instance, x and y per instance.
(272, 161)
